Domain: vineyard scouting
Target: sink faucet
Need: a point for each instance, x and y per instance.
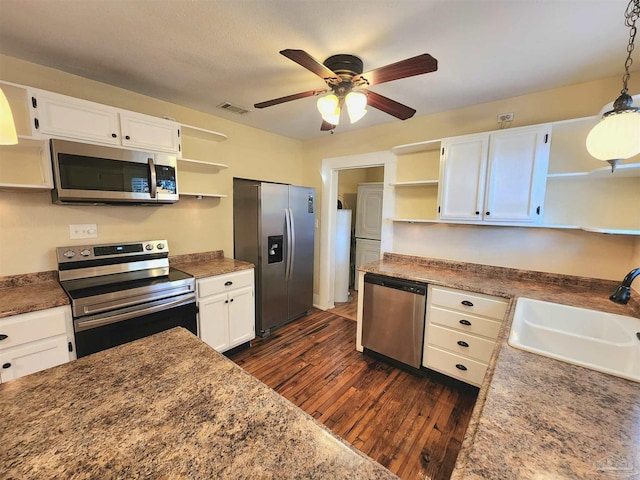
(623, 292)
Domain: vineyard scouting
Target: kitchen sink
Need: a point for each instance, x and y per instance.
(600, 341)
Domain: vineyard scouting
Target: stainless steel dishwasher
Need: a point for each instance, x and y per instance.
(393, 318)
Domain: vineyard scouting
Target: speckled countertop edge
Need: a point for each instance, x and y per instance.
(208, 264)
(473, 460)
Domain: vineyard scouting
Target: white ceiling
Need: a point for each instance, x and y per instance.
(202, 53)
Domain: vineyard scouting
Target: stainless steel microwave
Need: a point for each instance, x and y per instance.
(93, 174)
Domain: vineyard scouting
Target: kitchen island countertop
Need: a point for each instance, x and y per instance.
(166, 406)
(537, 417)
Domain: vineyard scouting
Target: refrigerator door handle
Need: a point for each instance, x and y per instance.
(287, 221)
(292, 245)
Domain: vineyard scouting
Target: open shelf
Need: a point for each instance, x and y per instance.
(612, 231)
(202, 133)
(426, 146)
(200, 162)
(622, 170)
(417, 183)
(202, 195)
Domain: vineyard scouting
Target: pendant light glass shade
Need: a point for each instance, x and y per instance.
(616, 136)
(356, 105)
(329, 108)
(7, 127)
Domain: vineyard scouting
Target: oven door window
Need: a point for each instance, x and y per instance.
(89, 173)
(100, 338)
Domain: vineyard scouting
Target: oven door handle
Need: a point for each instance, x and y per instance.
(86, 324)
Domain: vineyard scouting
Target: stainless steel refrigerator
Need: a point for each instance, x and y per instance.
(273, 228)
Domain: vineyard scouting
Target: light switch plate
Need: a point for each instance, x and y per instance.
(84, 230)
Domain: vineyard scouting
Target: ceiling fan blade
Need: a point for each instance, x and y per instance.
(288, 98)
(307, 61)
(326, 126)
(410, 67)
(389, 106)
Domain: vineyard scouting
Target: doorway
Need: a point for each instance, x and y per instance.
(330, 183)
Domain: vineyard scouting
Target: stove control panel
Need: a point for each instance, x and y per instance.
(82, 253)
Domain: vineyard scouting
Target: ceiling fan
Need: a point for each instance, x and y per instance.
(343, 75)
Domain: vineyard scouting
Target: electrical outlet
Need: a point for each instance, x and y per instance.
(84, 230)
(505, 117)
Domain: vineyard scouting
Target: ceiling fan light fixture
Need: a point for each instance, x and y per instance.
(356, 105)
(329, 108)
(617, 136)
(8, 134)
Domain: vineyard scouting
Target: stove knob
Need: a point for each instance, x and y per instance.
(69, 254)
(160, 246)
(148, 246)
(85, 253)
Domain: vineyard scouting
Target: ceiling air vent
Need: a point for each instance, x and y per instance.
(233, 108)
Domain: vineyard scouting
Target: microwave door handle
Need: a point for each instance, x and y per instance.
(153, 180)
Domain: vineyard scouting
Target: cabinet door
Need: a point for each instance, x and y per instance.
(462, 177)
(149, 133)
(213, 313)
(32, 357)
(369, 211)
(241, 316)
(62, 116)
(516, 175)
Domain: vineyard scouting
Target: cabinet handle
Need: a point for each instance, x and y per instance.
(465, 322)
(114, 135)
(127, 137)
(462, 344)
(226, 301)
(488, 213)
(3, 336)
(477, 212)
(466, 303)
(459, 366)
(226, 284)
(6, 365)
(231, 300)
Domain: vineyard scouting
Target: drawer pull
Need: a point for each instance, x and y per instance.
(459, 366)
(3, 336)
(463, 344)
(6, 365)
(465, 322)
(467, 303)
(229, 283)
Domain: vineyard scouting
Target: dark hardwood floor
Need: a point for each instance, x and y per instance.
(413, 424)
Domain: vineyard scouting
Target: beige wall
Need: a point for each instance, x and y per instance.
(31, 226)
(571, 252)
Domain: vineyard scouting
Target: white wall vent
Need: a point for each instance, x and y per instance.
(233, 108)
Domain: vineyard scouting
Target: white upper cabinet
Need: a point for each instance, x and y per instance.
(497, 177)
(72, 118)
(462, 177)
(369, 211)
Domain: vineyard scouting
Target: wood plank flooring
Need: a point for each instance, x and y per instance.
(412, 424)
(347, 309)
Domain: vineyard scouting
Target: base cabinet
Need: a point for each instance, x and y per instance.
(34, 341)
(226, 309)
(460, 332)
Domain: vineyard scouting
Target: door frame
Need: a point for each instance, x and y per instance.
(330, 169)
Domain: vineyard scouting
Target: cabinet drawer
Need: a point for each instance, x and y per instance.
(474, 303)
(29, 327)
(461, 343)
(224, 283)
(464, 322)
(454, 366)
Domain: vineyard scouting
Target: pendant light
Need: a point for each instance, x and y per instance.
(617, 136)
(7, 126)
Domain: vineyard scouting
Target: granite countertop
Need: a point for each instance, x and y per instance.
(208, 264)
(30, 293)
(536, 417)
(166, 406)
